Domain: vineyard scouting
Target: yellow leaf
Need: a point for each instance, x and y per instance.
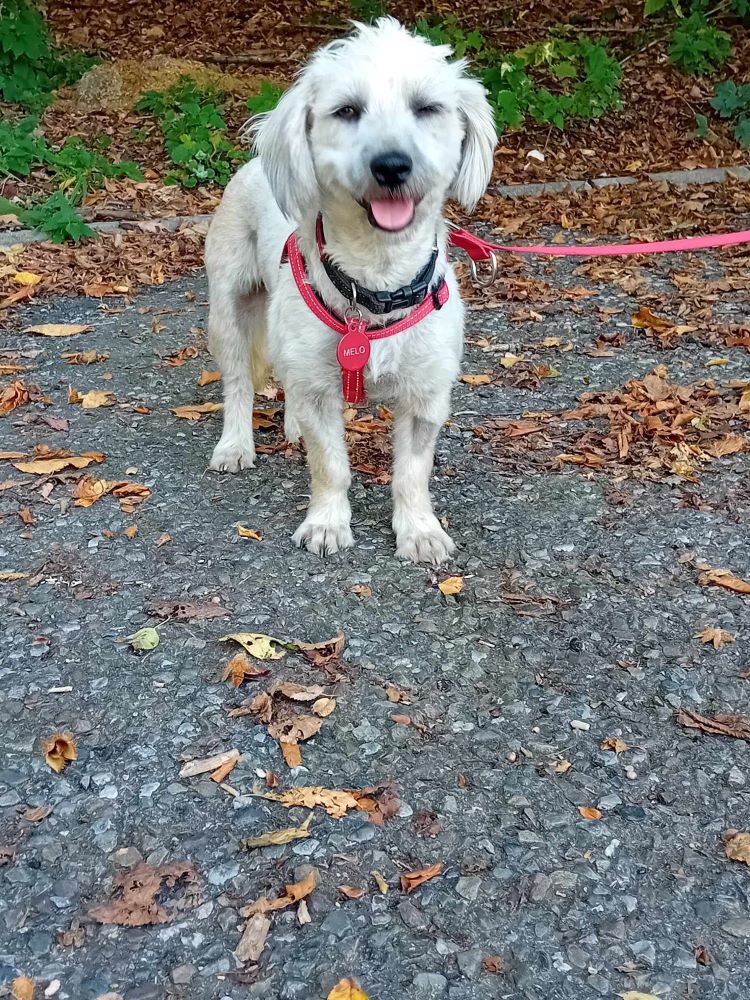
(22, 988)
(59, 749)
(27, 278)
(347, 989)
(95, 398)
(278, 837)
(131, 531)
(48, 466)
(476, 379)
(256, 644)
(508, 360)
(453, 585)
(244, 532)
(58, 329)
(713, 362)
(381, 882)
(195, 411)
(336, 802)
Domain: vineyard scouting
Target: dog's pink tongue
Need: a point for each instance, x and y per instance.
(392, 213)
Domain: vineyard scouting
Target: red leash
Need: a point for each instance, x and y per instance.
(353, 351)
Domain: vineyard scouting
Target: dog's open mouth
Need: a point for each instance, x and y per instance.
(391, 214)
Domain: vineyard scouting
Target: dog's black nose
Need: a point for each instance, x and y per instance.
(391, 169)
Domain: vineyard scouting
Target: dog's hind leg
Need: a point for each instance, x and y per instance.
(419, 535)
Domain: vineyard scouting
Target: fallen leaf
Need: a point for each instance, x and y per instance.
(25, 514)
(58, 329)
(276, 838)
(129, 495)
(206, 378)
(163, 539)
(144, 639)
(131, 531)
(412, 880)
(735, 726)
(324, 652)
(588, 812)
(615, 744)
(737, 845)
(303, 913)
(22, 988)
(453, 585)
(296, 692)
(715, 362)
(401, 720)
(7, 575)
(37, 814)
(323, 707)
(256, 644)
(347, 989)
(253, 939)
(475, 379)
(351, 891)
(336, 802)
(295, 730)
(362, 590)
(240, 668)
(195, 411)
(244, 532)
(294, 893)
(84, 357)
(41, 466)
(508, 360)
(95, 398)
(380, 882)
(204, 764)
(710, 578)
(635, 995)
(59, 749)
(702, 955)
(27, 278)
(88, 490)
(494, 964)
(150, 895)
(398, 697)
(562, 766)
(718, 637)
(16, 394)
(291, 753)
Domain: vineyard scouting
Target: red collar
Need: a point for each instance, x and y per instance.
(353, 351)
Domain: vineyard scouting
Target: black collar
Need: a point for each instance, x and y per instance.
(377, 302)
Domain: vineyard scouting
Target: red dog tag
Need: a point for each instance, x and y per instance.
(353, 351)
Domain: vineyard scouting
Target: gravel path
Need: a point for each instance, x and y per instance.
(492, 758)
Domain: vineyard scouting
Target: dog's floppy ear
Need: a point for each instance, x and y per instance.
(281, 140)
(475, 169)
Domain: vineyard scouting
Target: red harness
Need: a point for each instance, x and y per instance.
(353, 350)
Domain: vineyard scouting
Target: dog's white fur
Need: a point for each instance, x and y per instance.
(312, 161)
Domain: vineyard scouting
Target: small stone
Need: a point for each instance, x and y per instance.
(470, 962)
(53, 988)
(735, 778)
(430, 985)
(581, 726)
(338, 923)
(126, 857)
(738, 927)
(412, 916)
(182, 974)
(468, 887)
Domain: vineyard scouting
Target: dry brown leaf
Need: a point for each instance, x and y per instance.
(194, 767)
(588, 812)
(362, 591)
(253, 939)
(295, 730)
(8, 575)
(84, 357)
(163, 539)
(22, 988)
(718, 637)
(150, 895)
(95, 398)
(25, 514)
(294, 893)
(223, 771)
(335, 802)
(644, 319)
(321, 653)
(275, 838)
(131, 531)
(240, 668)
(324, 706)
(451, 586)
(413, 880)
(351, 891)
(59, 749)
(711, 578)
(398, 697)
(735, 726)
(179, 358)
(615, 744)
(737, 845)
(37, 813)
(206, 378)
(509, 360)
(130, 495)
(12, 396)
(88, 490)
(244, 532)
(484, 379)
(195, 411)
(291, 754)
(57, 329)
(296, 692)
(494, 964)
(40, 466)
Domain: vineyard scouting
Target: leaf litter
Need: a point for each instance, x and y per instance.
(149, 894)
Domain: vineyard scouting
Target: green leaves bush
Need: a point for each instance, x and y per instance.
(698, 48)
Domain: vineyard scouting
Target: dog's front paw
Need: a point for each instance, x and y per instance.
(323, 538)
(233, 455)
(425, 544)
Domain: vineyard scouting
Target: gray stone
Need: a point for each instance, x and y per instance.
(430, 984)
(470, 962)
(737, 927)
(468, 886)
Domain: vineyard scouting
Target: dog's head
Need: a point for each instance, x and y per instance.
(382, 120)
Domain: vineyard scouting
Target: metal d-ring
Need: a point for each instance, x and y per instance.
(486, 281)
(352, 310)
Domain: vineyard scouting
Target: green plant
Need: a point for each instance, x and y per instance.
(699, 48)
(367, 10)
(194, 130)
(732, 102)
(30, 65)
(266, 99)
(449, 32)
(56, 216)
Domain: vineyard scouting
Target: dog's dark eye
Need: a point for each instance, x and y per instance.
(348, 113)
(427, 110)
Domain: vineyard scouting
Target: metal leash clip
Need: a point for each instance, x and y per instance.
(488, 279)
(352, 310)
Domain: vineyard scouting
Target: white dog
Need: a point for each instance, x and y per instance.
(377, 131)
